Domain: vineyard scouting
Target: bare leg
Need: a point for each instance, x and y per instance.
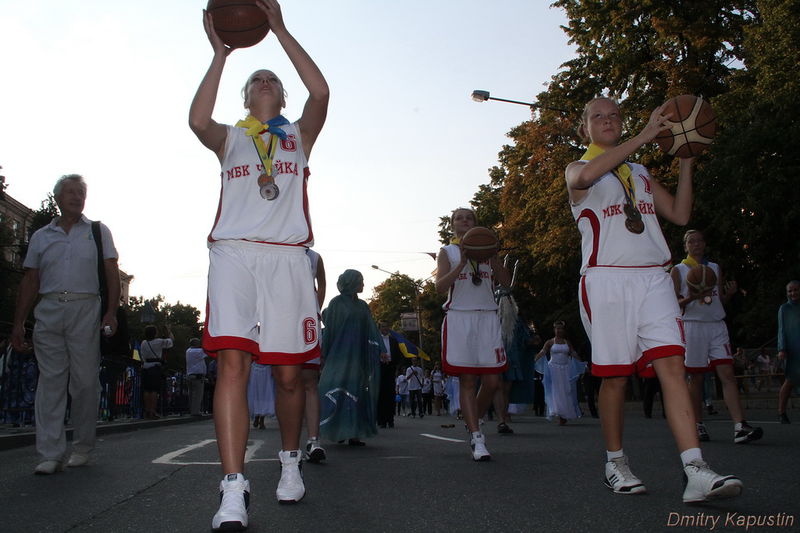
(680, 415)
(730, 392)
(469, 403)
(783, 395)
(290, 399)
(311, 380)
(231, 416)
(695, 382)
(490, 384)
(611, 403)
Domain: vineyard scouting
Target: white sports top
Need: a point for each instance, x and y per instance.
(242, 213)
(463, 295)
(605, 241)
(695, 310)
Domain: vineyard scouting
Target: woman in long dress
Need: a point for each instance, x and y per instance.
(561, 372)
(351, 346)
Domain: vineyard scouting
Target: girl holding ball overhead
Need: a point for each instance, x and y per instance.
(261, 300)
(472, 346)
(627, 300)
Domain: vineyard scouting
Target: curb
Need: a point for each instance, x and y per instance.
(27, 437)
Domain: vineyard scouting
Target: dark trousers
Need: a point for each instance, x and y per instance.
(427, 403)
(386, 397)
(415, 397)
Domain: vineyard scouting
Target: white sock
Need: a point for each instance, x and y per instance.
(692, 454)
(614, 455)
(476, 434)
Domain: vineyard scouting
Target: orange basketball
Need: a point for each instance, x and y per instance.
(692, 126)
(701, 279)
(239, 23)
(480, 243)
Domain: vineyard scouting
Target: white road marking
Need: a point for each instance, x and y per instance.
(437, 437)
(170, 458)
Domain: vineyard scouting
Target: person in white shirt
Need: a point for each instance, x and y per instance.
(414, 377)
(151, 351)
(196, 374)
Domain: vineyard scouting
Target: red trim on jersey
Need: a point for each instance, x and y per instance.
(219, 211)
(611, 371)
(644, 364)
(306, 212)
(585, 299)
(212, 345)
(591, 216)
(457, 370)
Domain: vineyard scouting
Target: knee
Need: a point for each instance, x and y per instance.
(288, 382)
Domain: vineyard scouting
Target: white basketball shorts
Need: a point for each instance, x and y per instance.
(707, 345)
(472, 344)
(631, 316)
(261, 299)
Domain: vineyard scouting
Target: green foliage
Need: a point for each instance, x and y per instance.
(42, 216)
(740, 55)
(401, 294)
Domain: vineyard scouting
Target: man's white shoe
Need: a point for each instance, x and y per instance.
(703, 484)
(620, 479)
(234, 499)
(78, 459)
(314, 452)
(291, 488)
(478, 445)
(45, 468)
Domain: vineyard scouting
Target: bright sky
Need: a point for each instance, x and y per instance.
(103, 87)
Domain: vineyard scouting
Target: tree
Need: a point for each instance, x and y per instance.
(42, 216)
(401, 294)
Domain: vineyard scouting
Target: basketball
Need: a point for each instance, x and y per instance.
(692, 126)
(239, 23)
(480, 243)
(701, 279)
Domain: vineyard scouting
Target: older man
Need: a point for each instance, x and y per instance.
(61, 269)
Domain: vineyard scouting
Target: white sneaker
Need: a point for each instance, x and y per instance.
(45, 468)
(620, 479)
(78, 459)
(290, 488)
(314, 452)
(234, 496)
(703, 484)
(478, 445)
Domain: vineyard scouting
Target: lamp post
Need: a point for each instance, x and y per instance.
(417, 289)
(481, 96)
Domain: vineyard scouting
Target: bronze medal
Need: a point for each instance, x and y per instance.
(631, 212)
(267, 187)
(634, 226)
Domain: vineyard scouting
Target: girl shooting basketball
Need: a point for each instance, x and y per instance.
(472, 346)
(627, 301)
(261, 299)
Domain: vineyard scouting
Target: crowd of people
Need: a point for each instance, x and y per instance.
(340, 374)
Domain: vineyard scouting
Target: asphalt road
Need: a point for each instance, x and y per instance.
(416, 477)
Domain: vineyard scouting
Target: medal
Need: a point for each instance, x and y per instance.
(267, 187)
(634, 226)
(707, 300)
(633, 219)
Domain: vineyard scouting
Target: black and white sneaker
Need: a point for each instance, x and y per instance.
(703, 484)
(314, 452)
(620, 479)
(747, 434)
(234, 500)
(702, 433)
(478, 445)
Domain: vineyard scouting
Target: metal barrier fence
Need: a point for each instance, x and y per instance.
(120, 390)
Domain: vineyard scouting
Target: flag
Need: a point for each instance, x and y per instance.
(408, 348)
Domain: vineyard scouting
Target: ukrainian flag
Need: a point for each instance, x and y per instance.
(408, 348)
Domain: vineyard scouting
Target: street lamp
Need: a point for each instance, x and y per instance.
(482, 96)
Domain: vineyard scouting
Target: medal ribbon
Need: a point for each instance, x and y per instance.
(255, 129)
(622, 173)
(692, 262)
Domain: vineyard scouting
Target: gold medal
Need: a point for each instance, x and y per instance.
(707, 300)
(267, 187)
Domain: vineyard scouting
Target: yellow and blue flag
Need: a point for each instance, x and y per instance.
(408, 348)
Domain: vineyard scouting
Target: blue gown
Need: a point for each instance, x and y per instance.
(789, 339)
(351, 346)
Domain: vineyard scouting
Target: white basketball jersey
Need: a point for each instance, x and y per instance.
(695, 310)
(605, 241)
(463, 294)
(242, 213)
